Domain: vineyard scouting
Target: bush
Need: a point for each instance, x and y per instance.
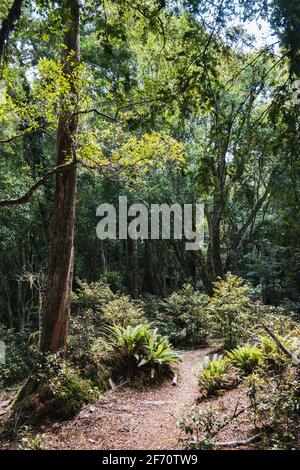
(139, 347)
(96, 308)
(70, 392)
(246, 357)
(123, 311)
(93, 296)
(212, 376)
(158, 351)
(230, 310)
(18, 363)
(275, 404)
(272, 355)
(183, 318)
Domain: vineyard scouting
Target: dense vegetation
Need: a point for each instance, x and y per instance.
(163, 102)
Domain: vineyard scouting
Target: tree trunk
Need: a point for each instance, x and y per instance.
(134, 268)
(9, 23)
(214, 261)
(61, 256)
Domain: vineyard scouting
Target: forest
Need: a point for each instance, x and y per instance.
(112, 337)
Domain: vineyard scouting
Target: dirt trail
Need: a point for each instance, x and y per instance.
(132, 419)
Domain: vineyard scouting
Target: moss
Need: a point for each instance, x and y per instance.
(71, 392)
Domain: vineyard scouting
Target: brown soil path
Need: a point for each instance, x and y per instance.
(132, 419)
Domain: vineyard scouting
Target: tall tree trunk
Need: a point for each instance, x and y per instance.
(61, 256)
(9, 23)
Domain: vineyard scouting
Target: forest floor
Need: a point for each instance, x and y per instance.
(132, 419)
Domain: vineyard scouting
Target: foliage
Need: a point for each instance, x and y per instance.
(275, 401)
(88, 350)
(246, 357)
(229, 309)
(92, 296)
(212, 376)
(272, 355)
(18, 362)
(123, 311)
(184, 318)
(200, 426)
(98, 300)
(30, 440)
(140, 347)
(70, 393)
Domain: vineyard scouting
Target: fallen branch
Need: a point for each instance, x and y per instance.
(245, 442)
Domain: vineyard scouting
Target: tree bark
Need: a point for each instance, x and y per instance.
(61, 256)
(9, 23)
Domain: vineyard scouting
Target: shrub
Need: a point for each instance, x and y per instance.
(97, 308)
(200, 427)
(275, 404)
(93, 296)
(230, 309)
(183, 317)
(212, 376)
(18, 363)
(246, 357)
(89, 350)
(272, 355)
(123, 311)
(158, 352)
(139, 347)
(127, 341)
(70, 392)
(103, 307)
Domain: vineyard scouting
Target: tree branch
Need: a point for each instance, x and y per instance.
(245, 442)
(99, 113)
(279, 344)
(25, 197)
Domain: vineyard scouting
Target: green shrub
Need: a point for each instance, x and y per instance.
(127, 341)
(212, 376)
(272, 355)
(103, 307)
(123, 311)
(95, 308)
(246, 357)
(89, 350)
(18, 363)
(230, 310)
(275, 404)
(183, 317)
(71, 392)
(157, 352)
(93, 296)
(140, 347)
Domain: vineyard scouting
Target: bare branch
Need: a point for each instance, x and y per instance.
(244, 442)
(99, 113)
(24, 134)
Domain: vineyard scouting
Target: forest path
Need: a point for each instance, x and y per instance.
(133, 419)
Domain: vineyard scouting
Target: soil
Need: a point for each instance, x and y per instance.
(132, 419)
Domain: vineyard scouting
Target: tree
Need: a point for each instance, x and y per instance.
(9, 23)
(61, 257)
